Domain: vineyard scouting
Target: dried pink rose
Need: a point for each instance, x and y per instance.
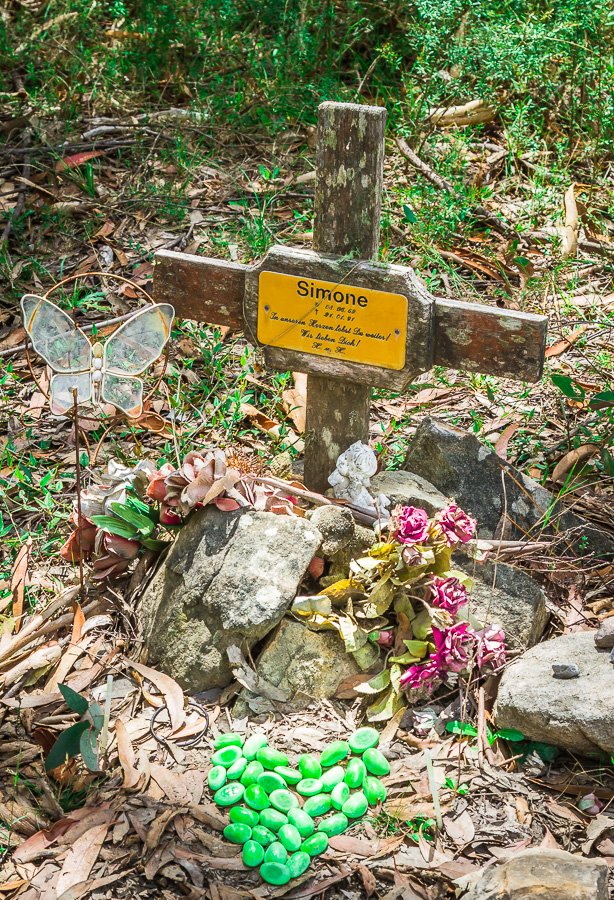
(424, 675)
(447, 593)
(491, 647)
(456, 525)
(411, 525)
(385, 639)
(454, 646)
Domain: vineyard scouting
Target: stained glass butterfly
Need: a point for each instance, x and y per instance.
(106, 373)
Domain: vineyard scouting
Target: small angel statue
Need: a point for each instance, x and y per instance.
(352, 477)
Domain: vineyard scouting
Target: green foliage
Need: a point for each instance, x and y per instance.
(80, 738)
(468, 730)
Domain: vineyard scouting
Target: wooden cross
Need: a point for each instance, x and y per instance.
(336, 313)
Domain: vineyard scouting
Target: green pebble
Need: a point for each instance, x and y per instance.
(318, 805)
(373, 790)
(315, 844)
(290, 837)
(216, 777)
(302, 821)
(308, 766)
(334, 824)
(262, 835)
(253, 853)
(253, 744)
(243, 816)
(356, 806)
(256, 797)
(290, 776)
(238, 768)
(363, 739)
(283, 800)
(334, 753)
(252, 773)
(332, 777)
(276, 853)
(237, 833)
(229, 794)
(309, 786)
(231, 739)
(273, 819)
(340, 794)
(226, 756)
(298, 863)
(355, 773)
(271, 758)
(275, 873)
(376, 762)
(269, 782)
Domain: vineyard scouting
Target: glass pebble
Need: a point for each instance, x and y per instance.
(243, 816)
(216, 777)
(363, 739)
(237, 833)
(309, 786)
(275, 873)
(252, 772)
(373, 789)
(237, 768)
(276, 852)
(256, 797)
(290, 837)
(231, 739)
(298, 863)
(283, 800)
(308, 766)
(262, 835)
(271, 758)
(229, 794)
(376, 762)
(269, 782)
(253, 853)
(334, 753)
(315, 844)
(273, 819)
(253, 744)
(340, 793)
(334, 824)
(226, 756)
(355, 773)
(332, 777)
(290, 776)
(356, 806)
(302, 821)
(318, 805)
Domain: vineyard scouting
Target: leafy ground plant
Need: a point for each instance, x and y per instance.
(80, 738)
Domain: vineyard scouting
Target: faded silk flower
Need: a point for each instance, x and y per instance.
(456, 525)
(447, 593)
(491, 647)
(411, 525)
(424, 675)
(454, 646)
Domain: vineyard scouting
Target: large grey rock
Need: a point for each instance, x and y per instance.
(308, 665)
(464, 469)
(407, 489)
(575, 714)
(228, 579)
(549, 874)
(505, 595)
(336, 525)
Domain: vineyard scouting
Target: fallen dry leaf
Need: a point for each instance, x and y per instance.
(549, 842)
(579, 454)
(566, 343)
(461, 829)
(295, 401)
(125, 752)
(173, 695)
(172, 784)
(288, 439)
(18, 581)
(504, 439)
(81, 857)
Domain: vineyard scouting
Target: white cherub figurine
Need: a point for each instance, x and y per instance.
(352, 477)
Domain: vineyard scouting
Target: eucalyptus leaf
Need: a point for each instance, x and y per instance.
(88, 744)
(73, 700)
(67, 746)
(96, 715)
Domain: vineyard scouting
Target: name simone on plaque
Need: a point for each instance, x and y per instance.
(334, 320)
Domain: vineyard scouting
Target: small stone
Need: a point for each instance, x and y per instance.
(273, 819)
(318, 805)
(275, 873)
(334, 753)
(373, 789)
(262, 835)
(302, 821)
(256, 797)
(604, 639)
(335, 824)
(332, 777)
(252, 773)
(270, 781)
(253, 853)
(229, 794)
(339, 795)
(308, 766)
(315, 844)
(253, 744)
(551, 874)
(237, 833)
(290, 837)
(376, 762)
(283, 800)
(230, 739)
(276, 853)
(565, 670)
(309, 786)
(298, 863)
(243, 816)
(336, 525)
(290, 776)
(216, 777)
(356, 806)
(363, 739)
(271, 758)
(226, 756)
(355, 773)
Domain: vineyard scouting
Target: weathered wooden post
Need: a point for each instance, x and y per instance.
(347, 215)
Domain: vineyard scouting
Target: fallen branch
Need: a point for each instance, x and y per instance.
(362, 515)
(478, 212)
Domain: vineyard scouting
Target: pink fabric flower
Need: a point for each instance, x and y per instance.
(491, 647)
(424, 675)
(385, 639)
(411, 525)
(447, 593)
(454, 646)
(456, 525)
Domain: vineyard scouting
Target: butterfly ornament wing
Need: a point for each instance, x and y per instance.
(65, 349)
(129, 352)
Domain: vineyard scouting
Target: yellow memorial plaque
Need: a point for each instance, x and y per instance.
(335, 320)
